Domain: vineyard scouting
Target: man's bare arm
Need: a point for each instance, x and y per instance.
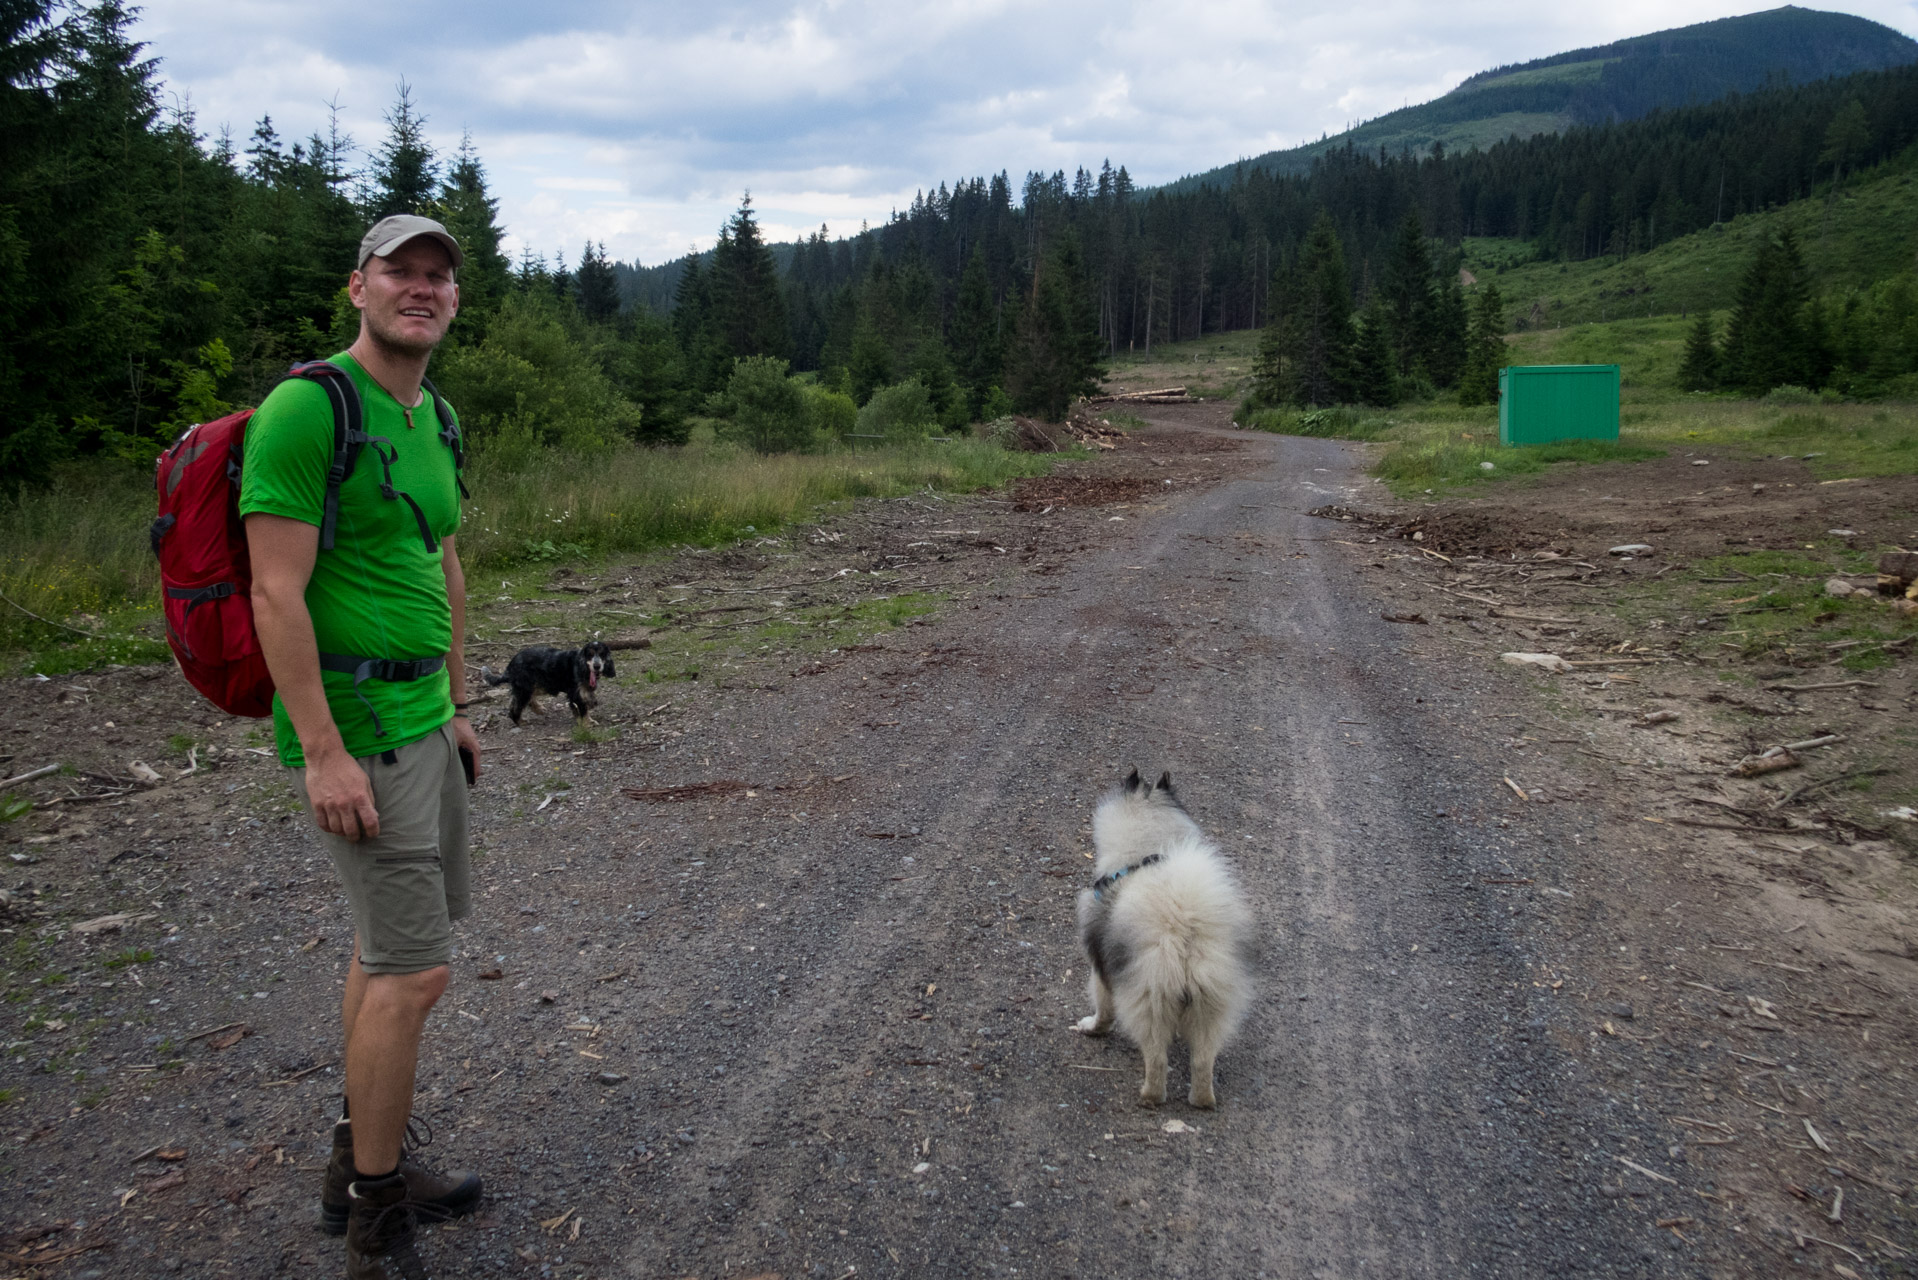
(283, 551)
(456, 655)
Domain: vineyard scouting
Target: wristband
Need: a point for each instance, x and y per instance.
(461, 706)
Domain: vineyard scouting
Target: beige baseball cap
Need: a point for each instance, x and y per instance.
(388, 234)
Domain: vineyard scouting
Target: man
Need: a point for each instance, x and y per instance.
(364, 643)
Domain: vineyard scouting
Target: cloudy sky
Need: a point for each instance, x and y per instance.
(639, 124)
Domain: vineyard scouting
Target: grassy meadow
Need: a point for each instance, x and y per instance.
(1435, 446)
(1862, 234)
(80, 584)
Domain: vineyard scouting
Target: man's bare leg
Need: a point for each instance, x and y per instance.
(384, 1015)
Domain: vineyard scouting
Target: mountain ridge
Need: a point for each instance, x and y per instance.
(1624, 80)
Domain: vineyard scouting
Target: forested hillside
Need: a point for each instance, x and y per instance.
(1171, 266)
(1608, 83)
(152, 275)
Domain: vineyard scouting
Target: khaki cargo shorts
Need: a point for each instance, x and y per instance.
(408, 884)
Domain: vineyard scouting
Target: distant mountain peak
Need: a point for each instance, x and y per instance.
(1619, 81)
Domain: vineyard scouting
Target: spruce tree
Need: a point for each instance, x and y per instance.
(1770, 340)
(1446, 341)
(1272, 367)
(1321, 336)
(405, 171)
(1055, 349)
(1409, 297)
(748, 307)
(1375, 379)
(1699, 371)
(650, 371)
(596, 286)
(707, 361)
(1485, 349)
(975, 333)
(471, 214)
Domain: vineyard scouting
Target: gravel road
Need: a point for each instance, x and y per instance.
(809, 1014)
(900, 1092)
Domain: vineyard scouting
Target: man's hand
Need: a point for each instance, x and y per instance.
(468, 740)
(342, 796)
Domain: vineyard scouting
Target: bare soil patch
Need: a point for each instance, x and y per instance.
(1076, 491)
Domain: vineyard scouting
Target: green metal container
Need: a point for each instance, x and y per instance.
(1540, 403)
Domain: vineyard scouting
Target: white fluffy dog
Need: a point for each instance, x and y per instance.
(1167, 932)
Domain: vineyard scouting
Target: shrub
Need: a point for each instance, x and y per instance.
(532, 384)
(1790, 395)
(898, 412)
(831, 414)
(764, 408)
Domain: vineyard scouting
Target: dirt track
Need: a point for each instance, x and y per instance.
(832, 1008)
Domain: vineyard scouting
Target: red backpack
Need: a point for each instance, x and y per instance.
(206, 572)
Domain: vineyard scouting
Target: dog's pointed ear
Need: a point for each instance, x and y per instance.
(1132, 782)
(1165, 783)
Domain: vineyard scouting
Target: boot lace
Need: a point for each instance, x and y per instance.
(393, 1227)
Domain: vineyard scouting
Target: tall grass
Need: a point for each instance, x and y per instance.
(75, 553)
(561, 506)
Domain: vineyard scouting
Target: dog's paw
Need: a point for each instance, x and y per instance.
(1205, 1099)
(1089, 1026)
(1150, 1097)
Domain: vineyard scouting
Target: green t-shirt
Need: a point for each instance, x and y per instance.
(379, 593)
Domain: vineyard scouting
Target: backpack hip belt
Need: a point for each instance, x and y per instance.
(391, 670)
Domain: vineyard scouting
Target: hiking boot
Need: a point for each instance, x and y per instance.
(380, 1225)
(451, 1194)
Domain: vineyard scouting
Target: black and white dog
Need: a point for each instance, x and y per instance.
(541, 668)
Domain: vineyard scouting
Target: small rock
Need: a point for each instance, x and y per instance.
(1842, 533)
(1624, 1011)
(1701, 462)
(610, 1077)
(547, 997)
(1488, 466)
(1631, 549)
(1837, 587)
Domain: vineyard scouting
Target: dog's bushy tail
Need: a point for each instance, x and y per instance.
(1190, 937)
(486, 674)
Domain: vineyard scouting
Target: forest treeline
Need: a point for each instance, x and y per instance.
(152, 275)
(1172, 266)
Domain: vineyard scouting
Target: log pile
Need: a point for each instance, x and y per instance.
(1162, 395)
(1080, 427)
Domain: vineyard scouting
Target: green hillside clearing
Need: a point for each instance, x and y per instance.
(1866, 232)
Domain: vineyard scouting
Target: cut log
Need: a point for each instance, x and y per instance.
(1771, 762)
(1896, 572)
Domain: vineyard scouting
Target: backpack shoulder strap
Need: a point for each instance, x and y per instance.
(449, 433)
(349, 435)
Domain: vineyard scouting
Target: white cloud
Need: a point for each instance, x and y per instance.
(640, 125)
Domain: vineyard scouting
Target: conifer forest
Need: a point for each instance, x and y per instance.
(155, 274)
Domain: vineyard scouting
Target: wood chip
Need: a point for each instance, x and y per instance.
(1817, 1138)
(1639, 1168)
(1517, 790)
